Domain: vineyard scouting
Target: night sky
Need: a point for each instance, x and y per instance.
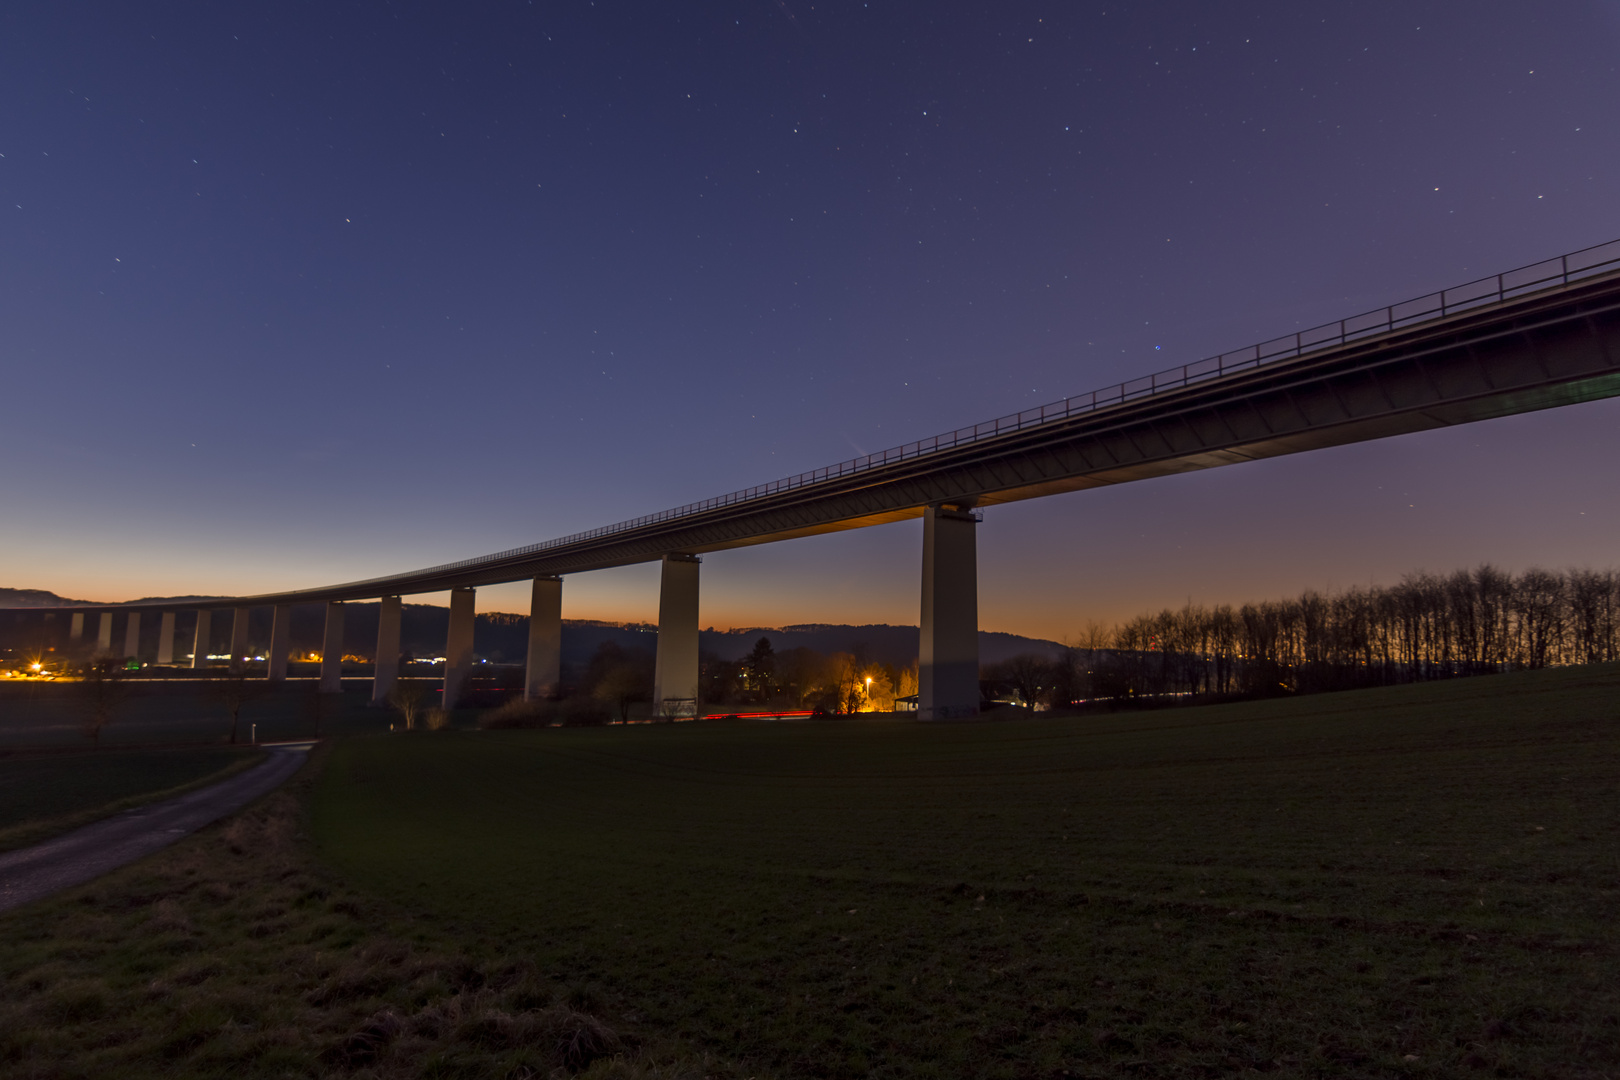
(293, 294)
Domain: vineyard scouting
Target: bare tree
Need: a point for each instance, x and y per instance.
(621, 685)
(315, 707)
(235, 691)
(1030, 676)
(105, 690)
(409, 701)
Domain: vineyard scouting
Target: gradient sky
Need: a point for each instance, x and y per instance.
(293, 294)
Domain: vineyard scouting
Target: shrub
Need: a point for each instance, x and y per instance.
(518, 713)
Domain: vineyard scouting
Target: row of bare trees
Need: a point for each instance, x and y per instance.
(1430, 626)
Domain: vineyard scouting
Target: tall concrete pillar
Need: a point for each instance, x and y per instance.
(132, 636)
(675, 675)
(104, 634)
(76, 626)
(545, 640)
(166, 639)
(280, 642)
(332, 650)
(239, 638)
(204, 638)
(948, 664)
(458, 645)
(386, 670)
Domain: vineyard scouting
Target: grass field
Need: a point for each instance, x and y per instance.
(1415, 881)
(233, 954)
(45, 794)
(38, 715)
(1385, 883)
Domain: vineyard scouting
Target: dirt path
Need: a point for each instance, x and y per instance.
(78, 856)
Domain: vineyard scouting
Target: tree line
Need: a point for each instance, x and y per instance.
(1429, 626)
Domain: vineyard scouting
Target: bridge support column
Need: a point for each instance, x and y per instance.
(544, 672)
(132, 636)
(104, 634)
(165, 653)
(239, 638)
(280, 643)
(203, 640)
(948, 664)
(675, 674)
(332, 650)
(458, 645)
(76, 626)
(385, 672)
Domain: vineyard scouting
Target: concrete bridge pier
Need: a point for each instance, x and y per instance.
(948, 661)
(332, 650)
(165, 654)
(76, 626)
(280, 643)
(385, 673)
(132, 636)
(239, 638)
(203, 639)
(458, 645)
(544, 672)
(104, 634)
(675, 674)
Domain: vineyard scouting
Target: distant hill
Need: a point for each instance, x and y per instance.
(32, 598)
(503, 638)
(879, 642)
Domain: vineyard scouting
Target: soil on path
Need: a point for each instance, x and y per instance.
(86, 853)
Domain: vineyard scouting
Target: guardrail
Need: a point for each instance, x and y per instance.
(1483, 292)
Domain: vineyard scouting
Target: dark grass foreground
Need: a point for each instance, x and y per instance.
(1388, 883)
(1399, 882)
(232, 954)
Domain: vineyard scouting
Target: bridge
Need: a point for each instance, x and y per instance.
(1536, 337)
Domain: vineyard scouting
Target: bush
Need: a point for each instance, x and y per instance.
(518, 714)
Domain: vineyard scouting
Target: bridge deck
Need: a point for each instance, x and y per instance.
(1530, 339)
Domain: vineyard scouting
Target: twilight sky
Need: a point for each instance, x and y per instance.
(298, 293)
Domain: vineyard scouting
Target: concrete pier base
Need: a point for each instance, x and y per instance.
(675, 675)
(104, 634)
(386, 671)
(165, 653)
(332, 650)
(76, 626)
(239, 638)
(544, 672)
(458, 646)
(203, 641)
(132, 636)
(948, 661)
(280, 642)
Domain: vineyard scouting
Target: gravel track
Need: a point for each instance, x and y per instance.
(73, 858)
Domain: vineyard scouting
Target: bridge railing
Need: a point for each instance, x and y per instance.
(1483, 292)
